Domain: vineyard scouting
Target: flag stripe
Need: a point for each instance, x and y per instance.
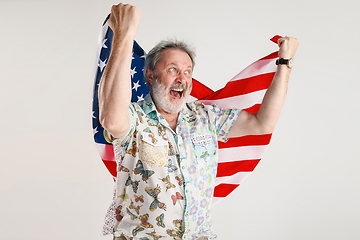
(106, 152)
(252, 109)
(222, 190)
(257, 68)
(217, 199)
(275, 38)
(239, 102)
(271, 55)
(243, 86)
(111, 166)
(246, 140)
(199, 90)
(231, 168)
(233, 179)
(241, 153)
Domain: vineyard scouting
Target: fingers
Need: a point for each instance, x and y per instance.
(280, 41)
(287, 39)
(287, 47)
(124, 18)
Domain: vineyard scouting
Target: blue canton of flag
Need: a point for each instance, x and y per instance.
(139, 88)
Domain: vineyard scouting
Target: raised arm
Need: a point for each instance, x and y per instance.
(115, 84)
(264, 121)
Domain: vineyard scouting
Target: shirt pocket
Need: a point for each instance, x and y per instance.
(204, 147)
(153, 150)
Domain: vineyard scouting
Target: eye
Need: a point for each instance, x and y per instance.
(187, 72)
(172, 70)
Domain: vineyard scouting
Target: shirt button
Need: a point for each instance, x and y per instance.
(187, 191)
(183, 167)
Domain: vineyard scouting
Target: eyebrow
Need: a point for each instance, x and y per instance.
(174, 64)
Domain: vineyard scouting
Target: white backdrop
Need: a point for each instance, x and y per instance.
(53, 184)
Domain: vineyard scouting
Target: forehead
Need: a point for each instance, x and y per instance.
(173, 56)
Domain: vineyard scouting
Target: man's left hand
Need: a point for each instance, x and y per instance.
(288, 46)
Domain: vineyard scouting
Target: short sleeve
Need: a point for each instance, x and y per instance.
(224, 120)
(124, 140)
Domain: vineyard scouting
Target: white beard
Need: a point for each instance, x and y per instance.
(161, 97)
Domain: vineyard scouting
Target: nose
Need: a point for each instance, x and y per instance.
(182, 77)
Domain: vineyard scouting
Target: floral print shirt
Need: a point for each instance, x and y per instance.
(166, 179)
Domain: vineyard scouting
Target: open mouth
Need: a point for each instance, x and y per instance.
(177, 93)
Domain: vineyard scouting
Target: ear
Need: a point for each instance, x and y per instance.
(149, 75)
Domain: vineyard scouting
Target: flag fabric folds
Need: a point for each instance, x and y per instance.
(239, 156)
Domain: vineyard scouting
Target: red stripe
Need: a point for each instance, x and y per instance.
(250, 140)
(275, 38)
(108, 153)
(222, 190)
(111, 166)
(271, 56)
(230, 168)
(199, 90)
(253, 109)
(243, 86)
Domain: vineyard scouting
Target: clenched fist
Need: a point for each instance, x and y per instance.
(288, 46)
(124, 20)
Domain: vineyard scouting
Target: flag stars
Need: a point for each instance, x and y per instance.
(132, 72)
(140, 98)
(102, 64)
(136, 85)
(95, 131)
(103, 43)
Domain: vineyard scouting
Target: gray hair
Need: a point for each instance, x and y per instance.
(155, 55)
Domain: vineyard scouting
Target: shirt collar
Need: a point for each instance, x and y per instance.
(148, 105)
(150, 111)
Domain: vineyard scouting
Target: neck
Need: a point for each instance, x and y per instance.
(171, 118)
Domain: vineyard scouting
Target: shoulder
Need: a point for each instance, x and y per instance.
(137, 117)
(197, 107)
(201, 108)
(136, 110)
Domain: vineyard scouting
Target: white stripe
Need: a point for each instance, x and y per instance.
(257, 68)
(101, 149)
(190, 99)
(246, 153)
(237, 178)
(239, 102)
(216, 200)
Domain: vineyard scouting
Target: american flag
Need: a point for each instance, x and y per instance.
(239, 156)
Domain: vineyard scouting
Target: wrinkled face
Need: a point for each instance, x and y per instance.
(173, 80)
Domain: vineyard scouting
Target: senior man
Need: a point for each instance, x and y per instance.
(166, 150)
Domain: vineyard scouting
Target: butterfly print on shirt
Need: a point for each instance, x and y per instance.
(144, 221)
(156, 203)
(134, 184)
(168, 183)
(144, 173)
(175, 197)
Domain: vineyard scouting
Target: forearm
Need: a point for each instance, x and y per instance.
(273, 101)
(115, 87)
(264, 121)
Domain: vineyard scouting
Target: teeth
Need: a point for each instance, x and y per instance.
(177, 89)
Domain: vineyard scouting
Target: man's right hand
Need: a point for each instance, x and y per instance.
(124, 19)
